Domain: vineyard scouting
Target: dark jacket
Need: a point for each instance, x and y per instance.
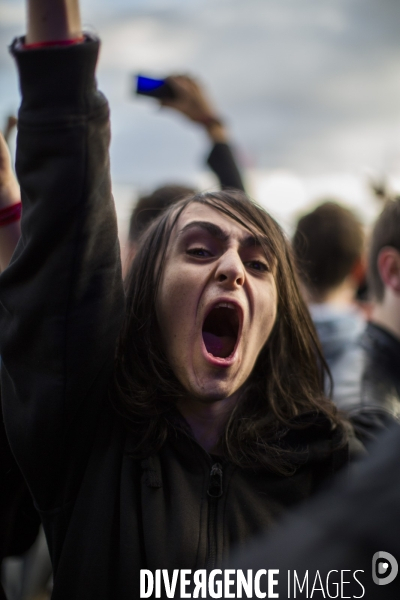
(106, 515)
(367, 382)
(19, 521)
(339, 533)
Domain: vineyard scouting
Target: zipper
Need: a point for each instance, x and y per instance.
(214, 492)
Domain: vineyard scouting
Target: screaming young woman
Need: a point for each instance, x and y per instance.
(161, 427)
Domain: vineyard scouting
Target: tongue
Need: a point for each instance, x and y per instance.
(220, 346)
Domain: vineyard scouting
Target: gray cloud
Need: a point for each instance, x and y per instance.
(311, 85)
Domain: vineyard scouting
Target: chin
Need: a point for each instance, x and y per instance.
(208, 384)
(213, 391)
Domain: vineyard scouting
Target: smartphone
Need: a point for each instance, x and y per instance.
(155, 88)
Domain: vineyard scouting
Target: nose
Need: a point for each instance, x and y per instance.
(230, 270)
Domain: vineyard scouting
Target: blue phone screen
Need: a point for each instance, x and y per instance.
(147, 84)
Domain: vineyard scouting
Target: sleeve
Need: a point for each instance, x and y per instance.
(19, 521)
(222, 162)
(61, 298)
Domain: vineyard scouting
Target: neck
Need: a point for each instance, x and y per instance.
(341, 296)
(207, 419)
(386, 314)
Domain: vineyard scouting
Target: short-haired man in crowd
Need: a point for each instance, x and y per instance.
(368, 386)
(328, 245)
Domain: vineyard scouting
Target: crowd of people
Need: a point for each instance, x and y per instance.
(162, 412)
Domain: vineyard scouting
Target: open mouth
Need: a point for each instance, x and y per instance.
(220, 330)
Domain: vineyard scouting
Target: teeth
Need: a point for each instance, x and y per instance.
(225, 305)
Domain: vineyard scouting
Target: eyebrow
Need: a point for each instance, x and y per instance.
(246, 242)
(211, 228)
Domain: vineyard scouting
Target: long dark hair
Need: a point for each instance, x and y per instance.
(286, 382)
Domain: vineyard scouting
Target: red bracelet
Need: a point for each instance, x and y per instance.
(9, 214)
(77, 40)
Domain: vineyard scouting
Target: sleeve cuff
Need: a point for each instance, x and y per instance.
(60, 76)
(49, 43)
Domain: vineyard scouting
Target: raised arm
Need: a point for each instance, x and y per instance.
(53, 20)
(191, 100)
(61, 298)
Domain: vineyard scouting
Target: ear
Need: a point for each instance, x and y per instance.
(389, 268)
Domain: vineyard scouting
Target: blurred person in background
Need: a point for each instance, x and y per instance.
(368, 383)
(10, 125)
(159, 427)
(191, 100)
(329, 249)
(10, 204)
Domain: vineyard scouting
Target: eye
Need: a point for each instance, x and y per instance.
(199, 252)
(257, 265)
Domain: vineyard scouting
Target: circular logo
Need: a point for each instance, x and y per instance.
(384, 568)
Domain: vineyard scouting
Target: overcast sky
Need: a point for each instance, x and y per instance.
(309, 86)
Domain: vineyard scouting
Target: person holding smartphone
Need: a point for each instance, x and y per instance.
(159, 427)
(190, 99)
(186, 95)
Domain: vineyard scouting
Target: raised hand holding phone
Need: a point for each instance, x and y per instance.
(154, 88)
(185, 95)
(192, 101)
